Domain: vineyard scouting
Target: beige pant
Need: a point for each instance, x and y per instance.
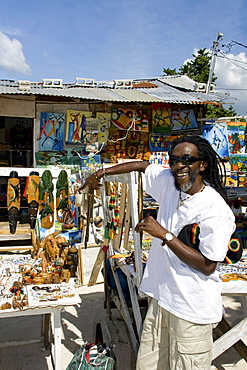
(171, 343)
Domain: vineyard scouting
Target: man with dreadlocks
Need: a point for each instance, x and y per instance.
(183, 283)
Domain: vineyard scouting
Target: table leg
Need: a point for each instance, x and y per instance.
(57, 338)
(47, 330)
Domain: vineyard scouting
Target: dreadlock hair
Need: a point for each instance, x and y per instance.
(215, 173)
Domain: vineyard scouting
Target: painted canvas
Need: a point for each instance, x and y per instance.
(124, 119)
(51, 135)
(159, 143)
(216, 135)
(239, 163)
(161, 118)
(183, 119)
(76, 126)
(86, 128)
(103, 126)
(236, 136)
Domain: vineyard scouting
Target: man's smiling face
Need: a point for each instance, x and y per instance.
(186, 166)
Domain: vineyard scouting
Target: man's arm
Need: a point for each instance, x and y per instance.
(93, 181)
(185, 253)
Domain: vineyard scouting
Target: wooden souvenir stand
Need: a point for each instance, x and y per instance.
(129, 196)
(51, 310)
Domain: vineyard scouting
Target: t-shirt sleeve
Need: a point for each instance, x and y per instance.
(156, 178)
(215, 233)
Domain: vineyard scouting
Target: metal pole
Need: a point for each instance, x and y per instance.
(213, 60)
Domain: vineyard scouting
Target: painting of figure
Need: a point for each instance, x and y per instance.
(51, 135)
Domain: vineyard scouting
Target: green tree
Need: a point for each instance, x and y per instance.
(169, 72)
(214, 111)
(198, 68)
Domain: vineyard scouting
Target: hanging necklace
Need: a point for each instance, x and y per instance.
(182, 201)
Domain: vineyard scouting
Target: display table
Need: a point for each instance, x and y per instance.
(232, 288)
(54, 312)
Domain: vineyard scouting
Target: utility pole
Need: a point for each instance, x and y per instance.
(213, 60)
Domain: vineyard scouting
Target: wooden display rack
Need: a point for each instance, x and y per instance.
(129, 217)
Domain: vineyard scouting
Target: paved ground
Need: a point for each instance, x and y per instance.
(78, 325)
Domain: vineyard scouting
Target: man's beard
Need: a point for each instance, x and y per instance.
(186, 187)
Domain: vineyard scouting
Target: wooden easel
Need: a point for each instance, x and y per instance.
(129, 217)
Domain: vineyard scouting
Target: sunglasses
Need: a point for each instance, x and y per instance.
(187, 160)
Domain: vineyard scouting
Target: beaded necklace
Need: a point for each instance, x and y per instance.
(182, 201)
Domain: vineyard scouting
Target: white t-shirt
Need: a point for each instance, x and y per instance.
(180, 289)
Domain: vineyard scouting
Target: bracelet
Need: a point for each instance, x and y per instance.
(96, 177)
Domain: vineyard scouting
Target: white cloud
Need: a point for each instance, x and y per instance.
(12, 57)
(231, 71)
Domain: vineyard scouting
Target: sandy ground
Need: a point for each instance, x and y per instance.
(78, 325)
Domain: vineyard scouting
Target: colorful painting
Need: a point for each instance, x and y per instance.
(90, 162)
(238, 162)
(216, 135)
(183, 119)
(161, 114)
(236, 136)
(76, 126)
(122, 145)
(103, 126)
(87, 128)
(51, 136)
(159, 143)
(124, 119)
(64, 159)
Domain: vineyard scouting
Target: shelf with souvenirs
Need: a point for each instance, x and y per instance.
(25, 283)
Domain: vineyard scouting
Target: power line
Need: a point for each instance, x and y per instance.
(224, 88)
(224, 56)
(238, 61)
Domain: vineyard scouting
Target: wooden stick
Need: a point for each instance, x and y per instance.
(89, 209)
(127, 223)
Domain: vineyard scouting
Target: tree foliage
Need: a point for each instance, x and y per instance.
(214, 111)
(198, 68)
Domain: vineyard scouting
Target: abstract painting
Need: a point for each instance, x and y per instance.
(183, 119)
(216, 135)
(161, 118)
(124, 119)
(51, 135)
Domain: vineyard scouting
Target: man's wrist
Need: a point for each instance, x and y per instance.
(99, 174)
(168, 237)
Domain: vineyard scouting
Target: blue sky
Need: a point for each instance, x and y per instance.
(108, 39)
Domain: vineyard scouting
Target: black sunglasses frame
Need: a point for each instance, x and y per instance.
(187, 160)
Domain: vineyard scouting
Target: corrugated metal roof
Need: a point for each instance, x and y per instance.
(172, 95)
(92, 93)
(183, 82)
(162, 93)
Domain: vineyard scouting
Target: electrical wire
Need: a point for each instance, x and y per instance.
(238, 61)
(224, 56)
(110, 140)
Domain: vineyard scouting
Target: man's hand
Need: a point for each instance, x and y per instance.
(151, 226)
(92, 183)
